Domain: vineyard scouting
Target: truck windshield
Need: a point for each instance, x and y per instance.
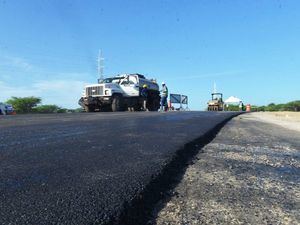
(111, 80)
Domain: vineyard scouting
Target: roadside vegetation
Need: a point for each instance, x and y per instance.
(272, 107)
(34, 105)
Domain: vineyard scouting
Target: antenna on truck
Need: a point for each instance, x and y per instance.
(100, 65)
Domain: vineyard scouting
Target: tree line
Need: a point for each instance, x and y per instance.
(272, 107)
(33, 105)
(290, 106)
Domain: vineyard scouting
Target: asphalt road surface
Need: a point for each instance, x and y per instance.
(87, 168)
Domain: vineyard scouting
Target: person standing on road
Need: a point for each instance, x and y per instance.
(241, 105)
(164, 96)
(144, 94)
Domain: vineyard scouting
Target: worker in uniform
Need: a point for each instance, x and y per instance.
(241, 106)
(144, 94)
(164, 96)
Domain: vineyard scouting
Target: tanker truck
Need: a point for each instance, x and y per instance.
(119, 93)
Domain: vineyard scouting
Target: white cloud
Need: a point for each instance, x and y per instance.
(64, 93)
(15, 62)
(20, 78)
(7, 91)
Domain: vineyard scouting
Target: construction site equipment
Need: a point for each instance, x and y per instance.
(216, 103)
(248, 108)
(119, 93)
(179, 100)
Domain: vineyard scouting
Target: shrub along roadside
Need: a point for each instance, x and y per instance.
(33, 105)
(24, 105)
(290, 106)
(49, 109)
(272, 107)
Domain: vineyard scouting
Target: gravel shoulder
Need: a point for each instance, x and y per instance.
(249, 174)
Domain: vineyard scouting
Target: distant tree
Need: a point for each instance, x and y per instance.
(293, 106)
(254, 108)
(290, 106)
(62, 110)
(271, 107)
(46, 109)
(280, 107)
(261, 108)
(78, 110)
(233, 108)
(24, 105)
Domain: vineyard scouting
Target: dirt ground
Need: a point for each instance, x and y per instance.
(289, 120)
(249, 174)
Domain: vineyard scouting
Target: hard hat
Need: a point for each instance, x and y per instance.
(145, 86)
(163, 83)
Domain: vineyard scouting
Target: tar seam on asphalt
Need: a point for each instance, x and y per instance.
(139, 211)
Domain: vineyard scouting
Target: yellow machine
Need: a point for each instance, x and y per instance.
(216, 103)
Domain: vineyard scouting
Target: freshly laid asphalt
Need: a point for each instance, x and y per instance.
(85, 168)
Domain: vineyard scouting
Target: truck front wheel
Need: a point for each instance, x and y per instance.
(89, 108)
(117, 103)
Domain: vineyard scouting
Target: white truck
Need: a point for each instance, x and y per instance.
(120, 93)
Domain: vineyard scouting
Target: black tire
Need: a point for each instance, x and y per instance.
(117, 103)
(89, 108)
(105, 108)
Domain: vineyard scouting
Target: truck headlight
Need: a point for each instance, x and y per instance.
(106, 92)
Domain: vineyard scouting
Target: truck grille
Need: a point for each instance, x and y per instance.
(97, 90)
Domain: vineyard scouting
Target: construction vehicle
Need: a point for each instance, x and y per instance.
(216, 103)
(119, 93)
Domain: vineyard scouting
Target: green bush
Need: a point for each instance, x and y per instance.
(62, 110)
(290, 106)
(293, 106)
(24, 105)
(31, 105)
(232, 108)
(46, 109)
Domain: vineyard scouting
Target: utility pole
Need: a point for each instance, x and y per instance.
(100, 65)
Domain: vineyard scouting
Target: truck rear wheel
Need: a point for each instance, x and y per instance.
(154, 105)
(117, 103)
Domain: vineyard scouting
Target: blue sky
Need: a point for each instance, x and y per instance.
(251, 49)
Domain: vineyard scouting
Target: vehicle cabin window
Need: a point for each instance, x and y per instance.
(133, 79)
(125, 82)
(129, 80)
